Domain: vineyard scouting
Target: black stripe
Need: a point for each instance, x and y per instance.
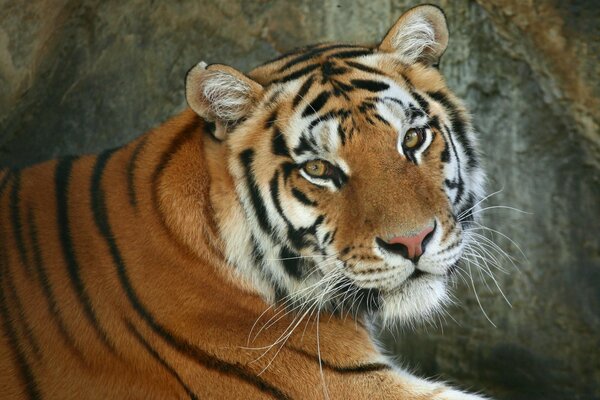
(298, 74)
(302, 198)
(258, 258)
(47, 286)
(302, 91)
(339, 178)
(292, 262)
(15, 217)
(20, 312)
(287, 169)
(271, 100)
(434, 122)
(4, 181)
(422, 102)
(207, 360)
(409, 83)
(459, 125)
(412, 113)
(351, 53)
(27, 376)
(380, 118)
(445, 156)
(329, 70)
(364, 68)
(278, 145)
(468, 215)
(166, 156)
(247, 157)
(314, 106)
(458, 184)
(310, 53)
(211, 127)
(370, 85)
(131, 165)
(297, 237)
(329, 115)
(62, 178)
(274, 190)
(173, 148)
(341, 89)
(350, 369)
(160, 360)
(342, 134)
(271, 120)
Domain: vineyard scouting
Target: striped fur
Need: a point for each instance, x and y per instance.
(190, 264)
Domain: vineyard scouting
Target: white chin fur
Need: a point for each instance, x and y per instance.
(414, 301)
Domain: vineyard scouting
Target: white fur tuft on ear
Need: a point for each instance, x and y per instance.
(220, 93)
(416, 38)
(419, 35)
(226, 95)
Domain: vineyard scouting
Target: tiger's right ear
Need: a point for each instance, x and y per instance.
(419, 35)
(220, 94)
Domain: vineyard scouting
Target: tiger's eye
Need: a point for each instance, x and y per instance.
(316, 168)
(412, 139)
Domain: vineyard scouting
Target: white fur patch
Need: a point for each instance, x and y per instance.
(413, 39)
(228, 96)
(416, 300)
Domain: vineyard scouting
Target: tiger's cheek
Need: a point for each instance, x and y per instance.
(435, 175)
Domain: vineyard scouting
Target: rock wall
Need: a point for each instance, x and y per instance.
(81, 76)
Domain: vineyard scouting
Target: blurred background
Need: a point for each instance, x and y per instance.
(82, 76)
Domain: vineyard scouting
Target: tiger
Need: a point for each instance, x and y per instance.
(250, 246)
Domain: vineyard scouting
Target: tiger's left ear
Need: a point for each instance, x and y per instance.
(221, 94)
(419, 35)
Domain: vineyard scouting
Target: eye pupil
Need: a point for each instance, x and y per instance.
(413, 138)
(316, 168)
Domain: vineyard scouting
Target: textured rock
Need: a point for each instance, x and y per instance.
(83, 76)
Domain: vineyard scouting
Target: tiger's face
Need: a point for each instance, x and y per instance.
(355, 168)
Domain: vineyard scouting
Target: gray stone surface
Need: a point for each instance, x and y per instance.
(81, 76)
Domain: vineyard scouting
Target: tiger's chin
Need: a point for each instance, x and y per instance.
(417, 299)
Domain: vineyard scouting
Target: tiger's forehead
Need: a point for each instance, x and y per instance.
(329, 59)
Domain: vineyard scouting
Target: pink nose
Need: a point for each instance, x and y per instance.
(413, 244)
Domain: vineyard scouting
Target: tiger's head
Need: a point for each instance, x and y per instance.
(355, 171)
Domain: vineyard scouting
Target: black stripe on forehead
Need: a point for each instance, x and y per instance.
(352, 53)
(364, 68)
(370, 85)
(278, 145)
(318, 102)
(302, 91)
(297, 74)
(313, 53)
(305, 146)
(329, 70)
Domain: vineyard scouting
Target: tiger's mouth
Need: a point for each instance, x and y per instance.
(415, 296)
(416, 274)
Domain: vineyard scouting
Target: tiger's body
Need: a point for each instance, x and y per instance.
(203, 260)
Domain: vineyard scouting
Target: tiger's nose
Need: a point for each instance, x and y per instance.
(410, 247)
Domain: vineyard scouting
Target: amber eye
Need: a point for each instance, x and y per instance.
(413, 139)
(317, 168)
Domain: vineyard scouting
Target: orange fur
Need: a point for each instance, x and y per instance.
(116, 280)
